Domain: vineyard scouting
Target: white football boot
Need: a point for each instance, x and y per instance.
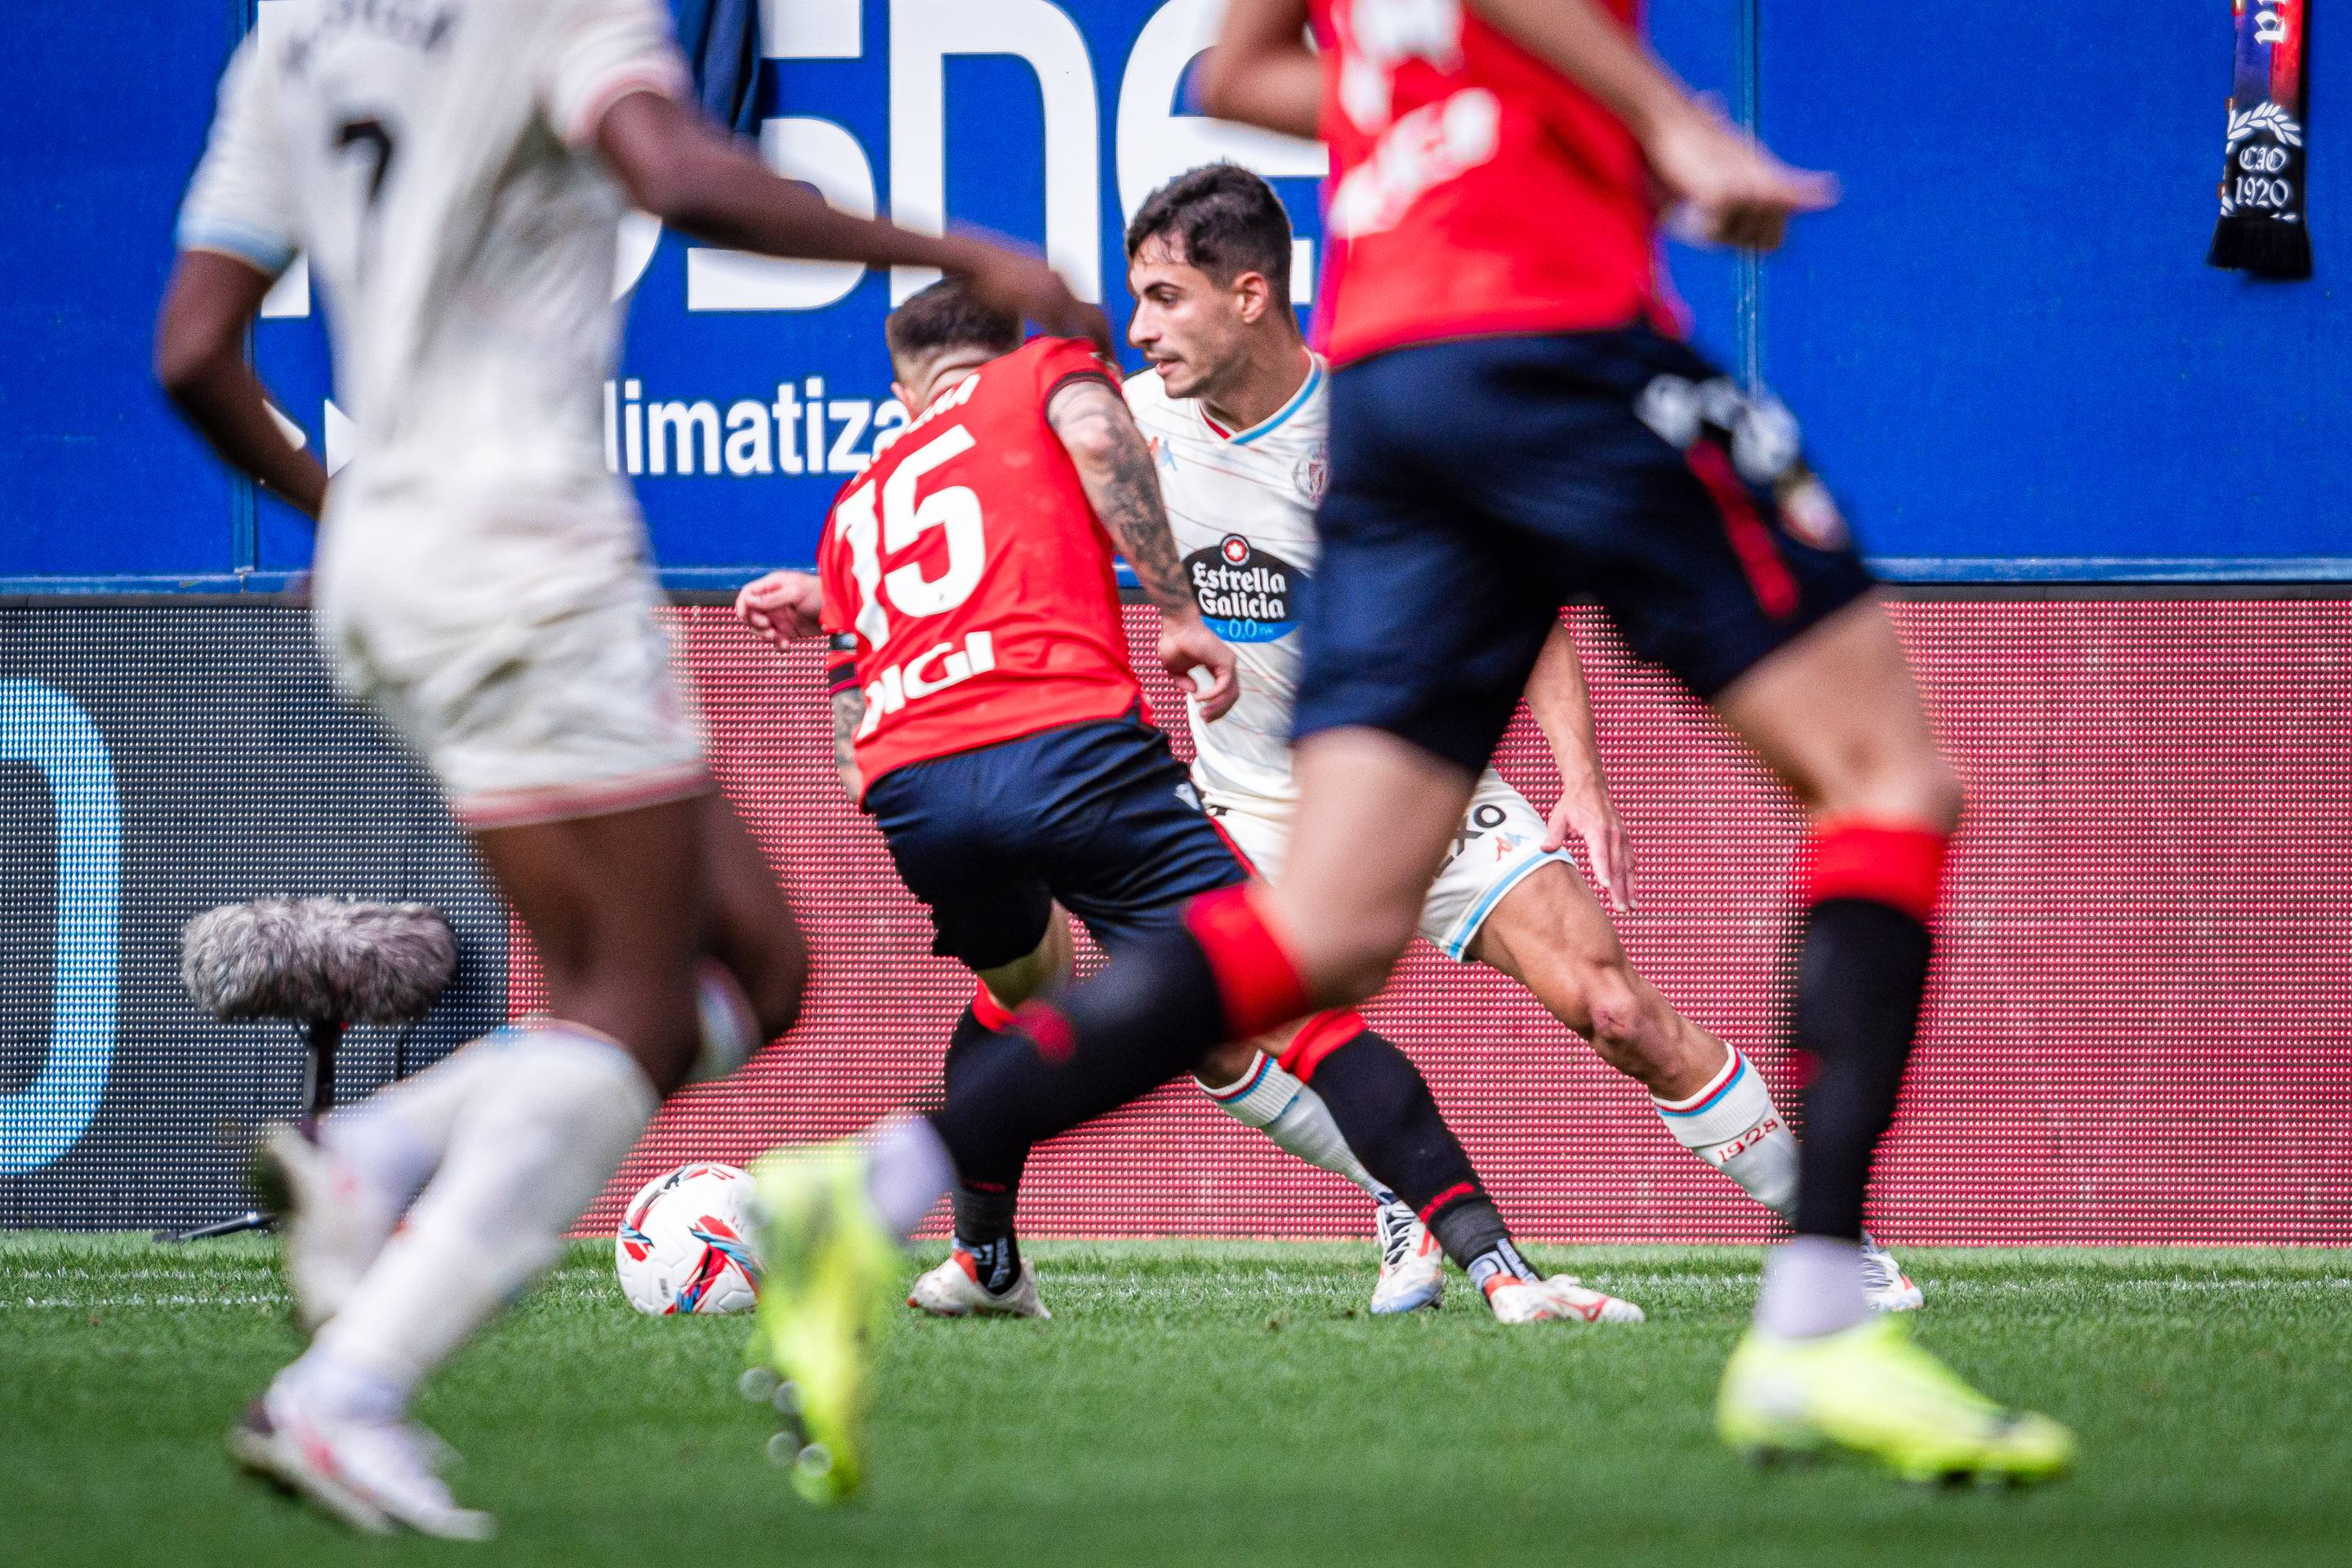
(1413, 1266)
(332, 1219)
(1561, 1299)
(953, 1290)
(374, 1475)
(1884, 1284)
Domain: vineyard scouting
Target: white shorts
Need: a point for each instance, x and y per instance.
(512, 644)
(1500, 841)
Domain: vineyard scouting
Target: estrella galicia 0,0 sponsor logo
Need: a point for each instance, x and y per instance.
(1246, 595)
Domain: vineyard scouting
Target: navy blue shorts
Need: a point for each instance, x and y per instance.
(1477, 486)
(1100, 816)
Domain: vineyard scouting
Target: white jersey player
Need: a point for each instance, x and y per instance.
(1242, 506)
(1233, 406)
(456, 171)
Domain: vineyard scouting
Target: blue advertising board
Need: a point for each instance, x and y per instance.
(2005, 345)
(751, 390)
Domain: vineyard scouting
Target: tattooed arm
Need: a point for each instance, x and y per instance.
(848, 714)
(1115, 468)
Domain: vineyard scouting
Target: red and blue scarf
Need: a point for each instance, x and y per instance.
(2262, 231)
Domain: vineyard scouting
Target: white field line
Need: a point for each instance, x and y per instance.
(1128, 1286)
(89, 1303)
(108, 1275)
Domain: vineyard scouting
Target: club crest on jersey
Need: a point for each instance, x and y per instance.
(1246, 595)
(1313, 477)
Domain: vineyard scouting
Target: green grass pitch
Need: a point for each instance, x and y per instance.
(1213, 1403)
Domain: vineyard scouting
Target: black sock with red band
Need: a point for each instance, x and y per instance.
(985, 1198)
(1382, 1105)
(1152, 1013)
(1869, 893)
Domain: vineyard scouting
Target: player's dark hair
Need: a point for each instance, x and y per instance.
(947, 315)
(1223, 220)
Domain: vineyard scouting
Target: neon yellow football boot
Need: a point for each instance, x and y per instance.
(1870, 1391)
(829, 1265)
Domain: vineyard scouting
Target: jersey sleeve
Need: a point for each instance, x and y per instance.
(241, 201)
(600, 51)
(834, 615)
(1067, 360)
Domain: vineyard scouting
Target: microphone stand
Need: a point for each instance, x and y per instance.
(320, 1037)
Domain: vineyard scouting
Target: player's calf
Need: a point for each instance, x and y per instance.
(986, 1259)
(334, 1216)
(754, 938)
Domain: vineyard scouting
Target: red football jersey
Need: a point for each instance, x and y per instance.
(1475, 190)
(968, 584)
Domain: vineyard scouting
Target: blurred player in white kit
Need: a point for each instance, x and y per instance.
(1234, 407)
(455, 171)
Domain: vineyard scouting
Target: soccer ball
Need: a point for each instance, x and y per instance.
(684, 1245)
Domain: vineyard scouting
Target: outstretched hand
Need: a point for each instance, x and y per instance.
(782, 606)
(1591, 818)
(1028, 288)
(1186, 645)
(1730, 189)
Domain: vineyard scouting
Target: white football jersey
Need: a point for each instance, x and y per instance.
(1242, 507)
(434, 161)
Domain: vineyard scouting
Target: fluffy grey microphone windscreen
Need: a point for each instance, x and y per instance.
(315, 959)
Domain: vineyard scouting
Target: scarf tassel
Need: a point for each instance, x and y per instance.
(2261, 245)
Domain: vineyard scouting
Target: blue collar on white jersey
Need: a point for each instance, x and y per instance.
(1276, 420)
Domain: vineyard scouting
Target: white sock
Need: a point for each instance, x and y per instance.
(731, 1032)
(1287, 1110)
(1812, 1286)
(398, 1135)
(908, 1170)
(551, 1110)
(1732, 1125)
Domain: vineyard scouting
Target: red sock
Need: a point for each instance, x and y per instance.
(1319, 1037)
(1258, 984)
(992, 1015)
(1898, 865)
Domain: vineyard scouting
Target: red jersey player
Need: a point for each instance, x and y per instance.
(959, 622)
(1513, 425)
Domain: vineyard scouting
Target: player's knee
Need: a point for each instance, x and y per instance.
(1942, 795)
(1906, 784)
(1616, 1019)
(1350, 964)
(1602, 1001)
